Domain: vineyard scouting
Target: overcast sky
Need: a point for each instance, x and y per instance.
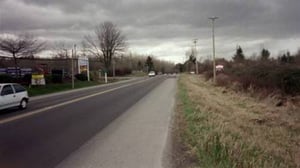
(163, 28)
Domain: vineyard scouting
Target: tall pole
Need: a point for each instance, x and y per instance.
(195, 42)
(213, 41)
(72, 62)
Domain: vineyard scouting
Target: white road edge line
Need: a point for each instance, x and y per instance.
(63, 104)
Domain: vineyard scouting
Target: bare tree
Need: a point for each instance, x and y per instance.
(60, 50)
(109, 40)
(23, 45)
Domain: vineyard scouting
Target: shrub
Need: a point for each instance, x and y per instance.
(4, 78)
(81, 77)
(260, 76)
(223, 80)
(26, 80)
(94, 75)
(120, 71)
(290, 81)
(205, 66)
(56, 78)
(208, 75)
(123, 71)
(48, 79)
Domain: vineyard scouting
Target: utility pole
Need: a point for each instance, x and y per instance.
(72, 62)
(213, 41)
(195, 52)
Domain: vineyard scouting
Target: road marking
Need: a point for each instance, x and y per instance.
(64, 103)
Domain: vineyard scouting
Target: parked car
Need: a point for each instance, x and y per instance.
(151, 74)
(13, 95)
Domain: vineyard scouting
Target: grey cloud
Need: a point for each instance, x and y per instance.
(156, 21)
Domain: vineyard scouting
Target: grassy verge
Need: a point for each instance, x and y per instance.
(52, 88)
(225, 130)
(137, 74)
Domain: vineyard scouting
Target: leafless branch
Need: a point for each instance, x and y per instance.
(22, 45)
(108, 40)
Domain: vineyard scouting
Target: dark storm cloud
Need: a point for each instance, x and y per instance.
(156, 21)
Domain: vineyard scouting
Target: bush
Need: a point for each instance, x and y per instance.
(260, 76)
(223, 80)
(48, 79)
(26, 80)
(208, 74)
(56, 78)
(120, 72)
(81, 77)
(4, 78)
(290, 81)
(94, 75)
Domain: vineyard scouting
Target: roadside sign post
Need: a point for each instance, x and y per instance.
(83, 66)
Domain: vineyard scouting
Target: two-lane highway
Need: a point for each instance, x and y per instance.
(49, 100)
(53, 127)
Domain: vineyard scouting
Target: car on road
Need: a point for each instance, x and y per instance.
(151, 74)
(13, 95)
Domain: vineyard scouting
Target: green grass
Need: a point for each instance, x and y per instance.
(52, 88)
(213, 146)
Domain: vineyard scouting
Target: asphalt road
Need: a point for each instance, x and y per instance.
(55, 126)
(138, 138)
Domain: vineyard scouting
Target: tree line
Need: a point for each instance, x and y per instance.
(260, 73)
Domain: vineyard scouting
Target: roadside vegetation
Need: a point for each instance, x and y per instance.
(269, 76)
(222, 128)
(55, 87)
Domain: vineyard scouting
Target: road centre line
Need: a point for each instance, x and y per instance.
(64, 103)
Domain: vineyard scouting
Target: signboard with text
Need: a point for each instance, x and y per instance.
(15, 71)
(38, 79)
(83, 64)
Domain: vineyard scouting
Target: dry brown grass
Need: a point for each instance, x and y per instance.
(273, 130)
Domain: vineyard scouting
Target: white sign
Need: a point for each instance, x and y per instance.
(83, 66)
(220, 67)
(38, 80)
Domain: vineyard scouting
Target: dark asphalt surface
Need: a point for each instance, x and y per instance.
(43, 140)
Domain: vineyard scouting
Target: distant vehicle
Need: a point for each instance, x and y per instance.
(151, 74)
(13, 95)
(172, 75)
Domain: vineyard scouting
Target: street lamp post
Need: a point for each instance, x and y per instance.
(213, 41)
